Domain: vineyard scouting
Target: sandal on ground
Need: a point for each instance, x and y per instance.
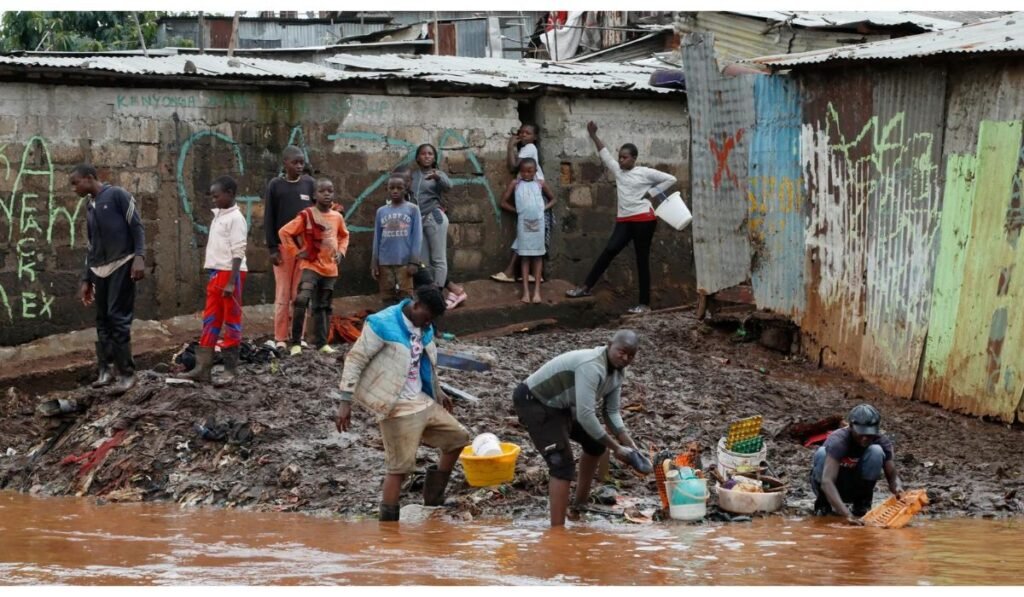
(454, 300)
(501, 277)
(578, 292)
(637, 310)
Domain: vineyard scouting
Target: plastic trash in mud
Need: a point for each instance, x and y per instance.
(896, 513)
(59, 406)
(235, 433)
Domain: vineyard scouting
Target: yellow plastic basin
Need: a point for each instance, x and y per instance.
(482, 471)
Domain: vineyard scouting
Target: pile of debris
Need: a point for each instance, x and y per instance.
(269, 442)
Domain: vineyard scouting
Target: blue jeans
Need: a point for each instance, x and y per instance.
(852, 483)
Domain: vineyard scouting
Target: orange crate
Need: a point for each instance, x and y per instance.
(895, 514)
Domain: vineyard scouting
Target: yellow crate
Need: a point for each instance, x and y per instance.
(741, 430)
(482, 471)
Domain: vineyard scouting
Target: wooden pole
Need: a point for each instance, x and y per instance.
(202, 33)
(142, 39)
(233, 42)
(437, 36)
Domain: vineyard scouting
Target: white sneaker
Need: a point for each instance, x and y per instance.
(326, 349)
(295, 351)
(280, 346)
(639, 309)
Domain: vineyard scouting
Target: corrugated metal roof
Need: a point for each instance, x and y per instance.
(1005, 34)
(496, 72)
(490, 72)
(205, 65)
(847, 19)
(741, 37)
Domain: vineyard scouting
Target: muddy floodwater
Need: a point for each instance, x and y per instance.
(69, 541)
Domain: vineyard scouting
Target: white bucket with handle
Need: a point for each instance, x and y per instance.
(674, 212)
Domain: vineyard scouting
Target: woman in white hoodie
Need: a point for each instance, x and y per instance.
(635, 220)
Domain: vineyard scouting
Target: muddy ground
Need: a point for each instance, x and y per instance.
(680, 389)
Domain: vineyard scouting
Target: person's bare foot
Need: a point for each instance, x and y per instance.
(537, 299)
(525, 299)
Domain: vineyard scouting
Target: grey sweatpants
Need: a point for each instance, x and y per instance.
(435, 246)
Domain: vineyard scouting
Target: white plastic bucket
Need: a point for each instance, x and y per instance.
(688, 512)
(486, 444)
(729, 462)
(674, 212)
(692, 511)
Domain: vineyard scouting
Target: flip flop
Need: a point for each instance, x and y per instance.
(501, 277)
(454, 300)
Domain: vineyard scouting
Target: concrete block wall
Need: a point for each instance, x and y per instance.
(586, 192)
(165, 146)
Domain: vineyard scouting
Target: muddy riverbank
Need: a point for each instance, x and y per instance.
(280, 451)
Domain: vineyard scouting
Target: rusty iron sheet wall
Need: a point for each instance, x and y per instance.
(836, 152)
(721, 116)
(776, 198)
(976, 325)
(902, 220)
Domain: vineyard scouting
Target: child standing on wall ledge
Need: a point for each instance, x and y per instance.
(323, 237)
(397, 237)
(225, 264)
(532, 199)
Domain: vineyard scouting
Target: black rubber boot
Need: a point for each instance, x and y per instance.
(125, 368)
(105, 364)
(204, 364)
(230, 359)
(434, 486)
(388, 512)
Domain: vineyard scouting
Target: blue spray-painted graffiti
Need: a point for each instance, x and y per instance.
(186, 203)
(297, 137)
(408, 158)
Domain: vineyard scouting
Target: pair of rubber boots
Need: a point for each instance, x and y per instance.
(203, 371)
(433, 494)
(116, 367)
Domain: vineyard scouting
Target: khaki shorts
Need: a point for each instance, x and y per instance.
(433, 426)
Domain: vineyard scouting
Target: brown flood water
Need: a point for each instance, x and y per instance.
(75, 541)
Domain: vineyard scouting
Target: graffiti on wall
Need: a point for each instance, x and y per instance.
(408, 157)
(32, 211)
(449, 140)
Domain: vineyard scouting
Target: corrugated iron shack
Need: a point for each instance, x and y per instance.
(873, 195)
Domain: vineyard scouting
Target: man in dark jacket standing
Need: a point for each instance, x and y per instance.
(115, 262)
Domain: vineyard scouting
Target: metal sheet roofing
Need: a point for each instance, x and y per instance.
(487, 72)
(1005, 34)
(496, 72)
(201, 65)
(846, 19)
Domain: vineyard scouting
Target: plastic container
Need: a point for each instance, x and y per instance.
(895, 514)
(743, 502)
(483, 471)
(486, 444)
(674, 212)
(730, 462)
(687, 498)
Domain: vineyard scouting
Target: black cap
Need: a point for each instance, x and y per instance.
(864, 419)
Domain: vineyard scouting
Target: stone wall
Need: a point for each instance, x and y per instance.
(587, 197)
(165, 146)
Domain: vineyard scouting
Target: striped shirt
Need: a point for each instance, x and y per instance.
(581, 380)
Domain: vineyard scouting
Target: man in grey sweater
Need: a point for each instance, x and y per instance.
(560, 402)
